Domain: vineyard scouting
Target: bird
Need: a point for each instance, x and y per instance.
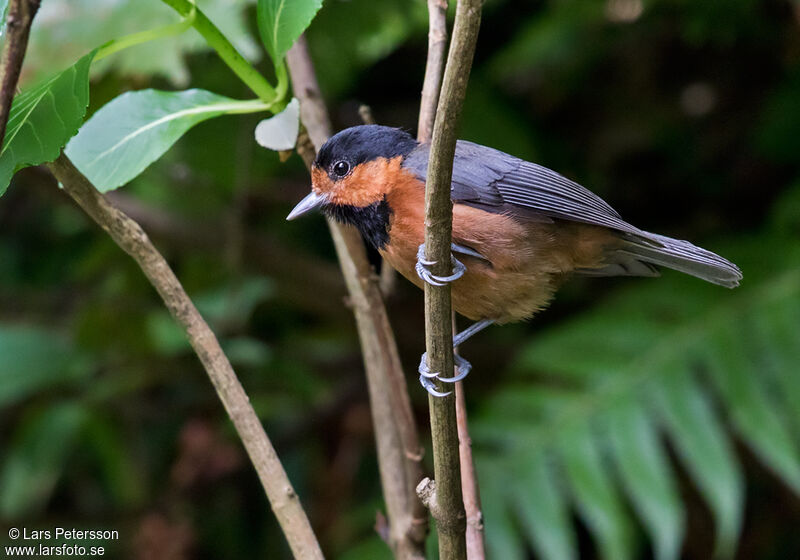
(520, 230)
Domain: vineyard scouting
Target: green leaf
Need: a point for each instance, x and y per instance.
(36, 457)
(576, 349)
(43, 118)
(280, 23)
(234, 303)
(136, 128)
(246, 351)
(35, 359)
(3, 15)
(61, 35)
(755, 415)
(700, 441)
(628, 366)
(502, 539)
(122, 476)
(595, 494)
(647, 476)
(778, 333)
(542, 509)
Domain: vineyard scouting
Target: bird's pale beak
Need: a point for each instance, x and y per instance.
(312, 202)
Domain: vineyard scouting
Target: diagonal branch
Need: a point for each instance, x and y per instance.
(448, 509)
(399, 451)
(18, 28)
(133, 240)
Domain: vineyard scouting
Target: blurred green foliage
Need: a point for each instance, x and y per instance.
(636, 418)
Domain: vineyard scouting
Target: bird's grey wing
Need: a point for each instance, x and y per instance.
(495, 181)
(473, 172)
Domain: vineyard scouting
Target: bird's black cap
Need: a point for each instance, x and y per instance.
(360, 144)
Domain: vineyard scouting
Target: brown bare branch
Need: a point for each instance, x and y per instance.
(449, 510)
(399, 452)
(388, 278)
(432, 83)
(18, 28)
(133, 240)
(469, 481)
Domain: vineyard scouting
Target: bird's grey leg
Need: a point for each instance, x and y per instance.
(463, 366)
(422, 268)
(464, 250)
(426, 376)
(474, 328)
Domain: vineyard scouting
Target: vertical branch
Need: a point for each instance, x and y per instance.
(469, 481)
(18, 28)
(399, 451)
(133, 240)
(437, 43)
(449, 507)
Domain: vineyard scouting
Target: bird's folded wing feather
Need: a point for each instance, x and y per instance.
(496, 181)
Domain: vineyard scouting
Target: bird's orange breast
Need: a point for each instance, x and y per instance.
(528, 260)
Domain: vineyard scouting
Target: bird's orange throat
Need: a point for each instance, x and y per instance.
(366, 197)
(366, 184)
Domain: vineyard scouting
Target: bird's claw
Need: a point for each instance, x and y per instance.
(426, 275)
(463, 367)
(426, 376)
(423, 368)
(430, 386)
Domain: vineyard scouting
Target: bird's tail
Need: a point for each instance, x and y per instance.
(682, 256)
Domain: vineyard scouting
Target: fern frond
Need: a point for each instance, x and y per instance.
(669, 361)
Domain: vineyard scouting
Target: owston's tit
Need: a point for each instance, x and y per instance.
(520, 229)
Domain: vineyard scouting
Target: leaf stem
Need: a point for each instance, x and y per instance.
(226, 51)
(116, 45)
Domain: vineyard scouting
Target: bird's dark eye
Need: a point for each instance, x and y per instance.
(341, 168)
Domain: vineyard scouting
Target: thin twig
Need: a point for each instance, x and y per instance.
(450, 522)
(399, 451)
(18, 28)
(365, 112)
(434, 67)
(133, 240)
(469, 481)
(388, 277)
